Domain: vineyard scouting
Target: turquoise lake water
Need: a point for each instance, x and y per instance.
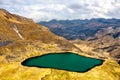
(63, 61)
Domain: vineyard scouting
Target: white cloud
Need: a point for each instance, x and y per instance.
(63, 9)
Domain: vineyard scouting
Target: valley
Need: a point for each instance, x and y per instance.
(21, 38)
(98, 34)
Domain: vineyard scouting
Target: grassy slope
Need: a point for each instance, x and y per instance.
(110, 70)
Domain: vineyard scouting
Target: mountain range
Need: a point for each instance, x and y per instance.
(99, 33)
(80, 29)
(22, 38)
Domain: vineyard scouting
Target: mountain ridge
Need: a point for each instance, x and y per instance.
(78, 26)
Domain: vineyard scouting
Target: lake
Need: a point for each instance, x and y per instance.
(63, 61)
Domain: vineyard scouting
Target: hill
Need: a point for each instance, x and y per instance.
(18, 34)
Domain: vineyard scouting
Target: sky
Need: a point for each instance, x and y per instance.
(45, 10)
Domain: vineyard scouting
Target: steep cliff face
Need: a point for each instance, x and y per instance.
(21, 38)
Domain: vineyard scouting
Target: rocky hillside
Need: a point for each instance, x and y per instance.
(80, 29)
(107, 39)
(18, 34)
(21, 38)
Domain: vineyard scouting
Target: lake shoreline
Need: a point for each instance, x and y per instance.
(64, 53)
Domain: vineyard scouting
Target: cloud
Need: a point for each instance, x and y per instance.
(40, 10)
